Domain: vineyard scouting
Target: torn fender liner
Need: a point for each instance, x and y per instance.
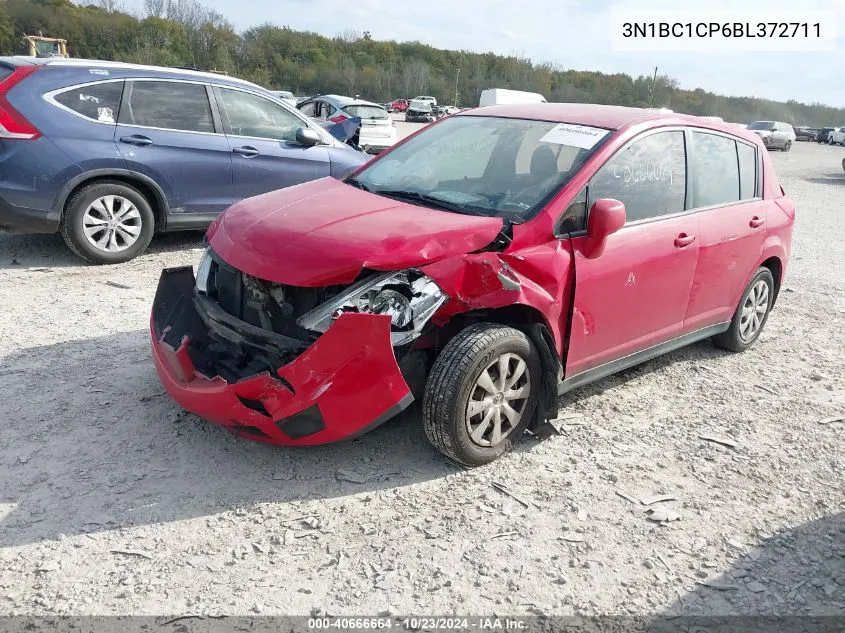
(342, 385)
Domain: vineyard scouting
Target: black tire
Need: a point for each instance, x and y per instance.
(732, 339)
(72, 222)
(452, 382)
(787, 146)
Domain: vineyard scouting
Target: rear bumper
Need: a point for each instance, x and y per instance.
(342, 385)
(22, 220)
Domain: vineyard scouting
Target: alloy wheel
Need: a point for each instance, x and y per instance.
(112, 223)
(754, 311)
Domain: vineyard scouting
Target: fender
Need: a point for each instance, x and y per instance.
(772, 247)
(539, 277)
(73, 183)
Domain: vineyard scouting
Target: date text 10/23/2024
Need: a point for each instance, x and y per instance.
(418, 623)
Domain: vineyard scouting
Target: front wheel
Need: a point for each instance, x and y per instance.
(481, 393)
(751, 314)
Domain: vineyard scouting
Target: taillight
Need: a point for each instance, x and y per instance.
(12, 123)
(338, 118)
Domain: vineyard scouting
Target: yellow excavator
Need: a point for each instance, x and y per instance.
(40, 46)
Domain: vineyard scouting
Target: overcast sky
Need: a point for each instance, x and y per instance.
(574, 33)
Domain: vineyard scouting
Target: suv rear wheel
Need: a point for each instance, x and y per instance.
(481, 393)
(108, 222)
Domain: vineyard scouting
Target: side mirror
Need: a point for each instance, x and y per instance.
(307, 137)
(605, 218)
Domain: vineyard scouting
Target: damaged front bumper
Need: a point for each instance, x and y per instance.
(337, 387)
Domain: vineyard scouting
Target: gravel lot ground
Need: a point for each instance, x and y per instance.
(114, 502)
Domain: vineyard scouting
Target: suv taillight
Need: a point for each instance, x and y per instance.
(12, 123)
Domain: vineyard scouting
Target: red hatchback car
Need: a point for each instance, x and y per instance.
(488, 263)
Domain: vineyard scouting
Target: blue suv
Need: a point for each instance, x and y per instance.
(110, 153)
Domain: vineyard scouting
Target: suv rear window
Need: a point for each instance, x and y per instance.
(367, 112)
(172, 105)
(98, 102)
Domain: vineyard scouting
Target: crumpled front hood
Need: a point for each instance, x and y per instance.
(762, 132)
(325, 232)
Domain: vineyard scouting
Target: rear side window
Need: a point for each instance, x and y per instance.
(747, 171)
(716, 172)
(367, 112)
(99, 102)
(5, 71)
(172, 105)
(648, 176)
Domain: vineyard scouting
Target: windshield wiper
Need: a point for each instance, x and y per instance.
(357, 183)
(415, 196)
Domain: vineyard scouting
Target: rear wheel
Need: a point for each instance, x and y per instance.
(788, 146)
(108, 222)
(481, 393)
(751, 314)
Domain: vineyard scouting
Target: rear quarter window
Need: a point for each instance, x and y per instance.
(98, 102)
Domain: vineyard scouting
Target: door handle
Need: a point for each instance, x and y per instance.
(755, 222)
(684, 240)
(136, 139)
(246, 151)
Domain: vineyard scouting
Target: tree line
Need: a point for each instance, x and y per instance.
(184, 33)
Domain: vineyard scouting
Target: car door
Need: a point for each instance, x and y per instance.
(262, 139)
(635, 294)
(730, 219)
(167, 131)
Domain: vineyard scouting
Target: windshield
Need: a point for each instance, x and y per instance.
(484, 165)
(762, 125)
(368, 112)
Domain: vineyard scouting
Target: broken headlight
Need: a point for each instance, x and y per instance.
(203, 270)
(408, 297)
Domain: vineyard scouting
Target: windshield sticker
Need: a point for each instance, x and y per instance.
(574, 135)
(98, 71)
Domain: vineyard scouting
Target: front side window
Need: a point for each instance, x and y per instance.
(98, 102)
(716, 173)
(251, 115)
(648, 177)
(484, 165)
(172, 105)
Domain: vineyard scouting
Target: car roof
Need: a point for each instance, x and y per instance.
(20, 60)
(602, 116)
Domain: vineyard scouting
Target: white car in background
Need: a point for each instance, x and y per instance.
(284, 95)
(431, 100)
(377, 132)
(837, 137)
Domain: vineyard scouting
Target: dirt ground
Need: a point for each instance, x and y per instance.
(112, 501)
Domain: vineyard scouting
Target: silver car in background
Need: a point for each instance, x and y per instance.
(774, 134)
